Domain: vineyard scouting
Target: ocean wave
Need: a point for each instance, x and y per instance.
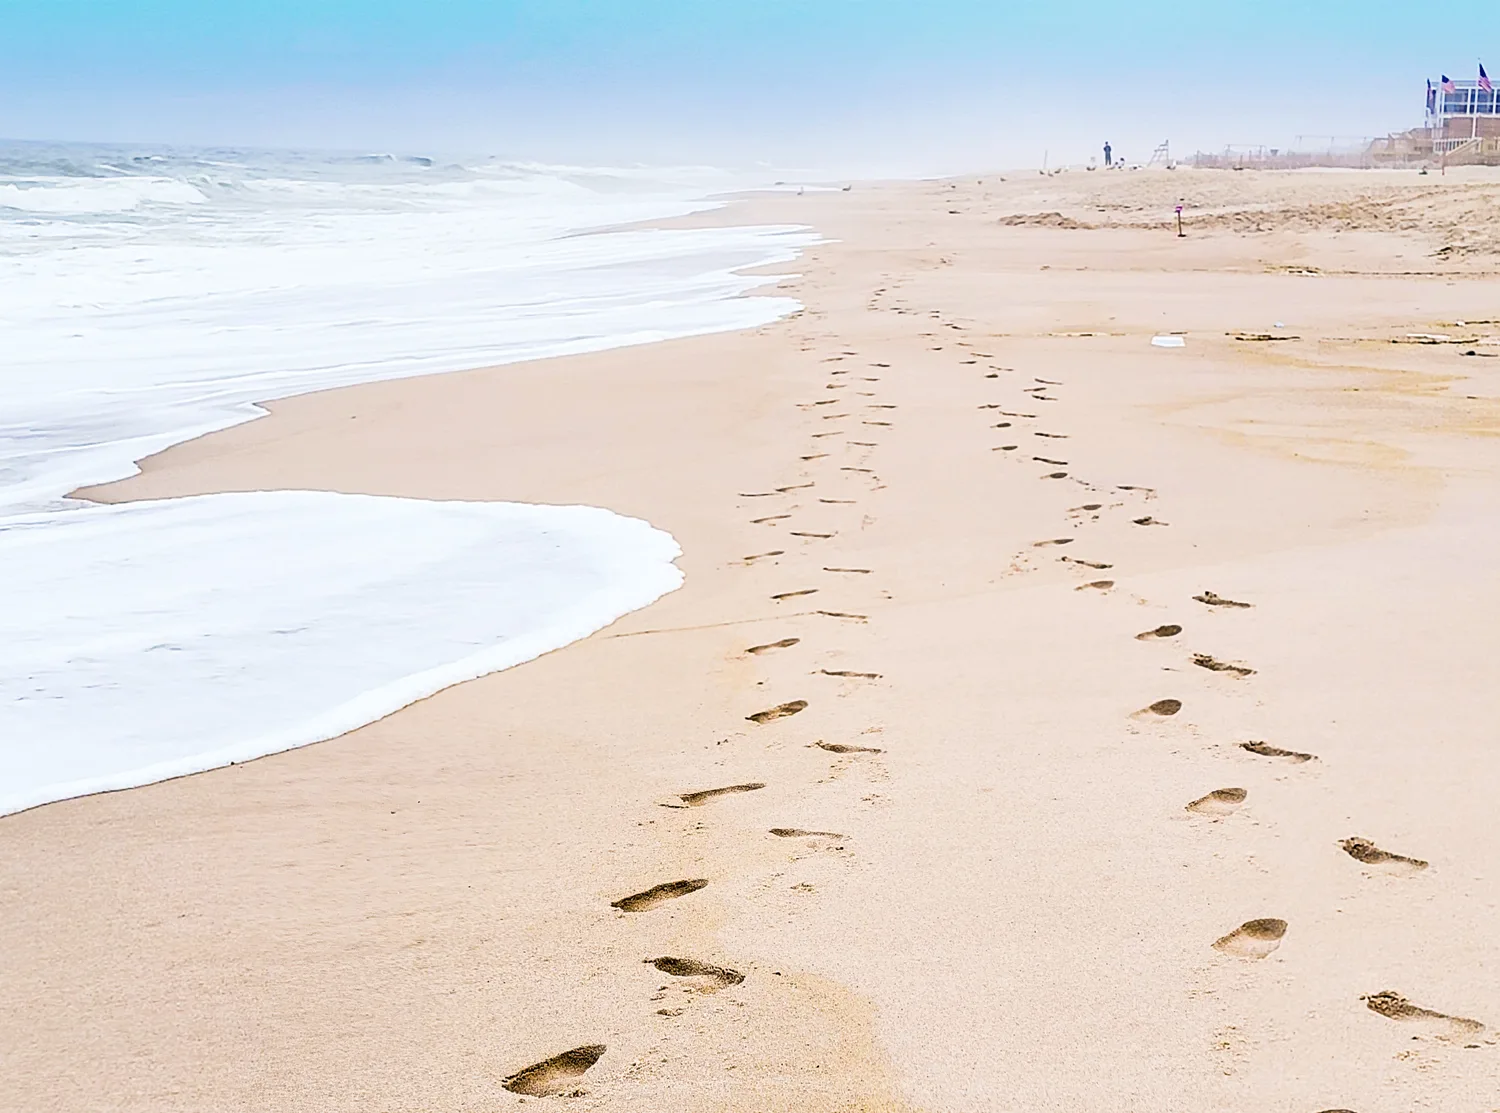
(154, 296)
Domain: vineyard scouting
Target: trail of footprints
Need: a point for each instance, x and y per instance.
(1250, 941)
(1257, 938)
(562, 1075)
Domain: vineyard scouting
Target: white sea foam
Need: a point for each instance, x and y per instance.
(149, 298)
(151, 640)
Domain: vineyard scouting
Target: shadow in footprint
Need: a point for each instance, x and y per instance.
(798, 833)
(780, 711)
(658, 894)
(855, 675)
(1171, 630)
(1252, 939)
(784, 643)
(1393, 1006)
(1368, 854)
(794, 594)
(1204, 661)
(762, 556)
(841, 748)
(1052, 541)
(1164, 708)
(1275, 751)
(1086, 563)
(1219, 601)
(698, 799)
(1221, 801)
(1098, 585)
(554, 1075)
(713, 977)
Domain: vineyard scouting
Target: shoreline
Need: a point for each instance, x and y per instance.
(1017, 911)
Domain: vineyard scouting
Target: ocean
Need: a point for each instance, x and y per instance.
(150, 296)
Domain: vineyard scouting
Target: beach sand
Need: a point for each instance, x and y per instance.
(940, 505)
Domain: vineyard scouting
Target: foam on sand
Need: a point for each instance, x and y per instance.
(156, 639)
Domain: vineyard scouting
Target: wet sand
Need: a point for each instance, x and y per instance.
(1008, 853)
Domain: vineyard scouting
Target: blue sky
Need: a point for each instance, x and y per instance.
(939, 84)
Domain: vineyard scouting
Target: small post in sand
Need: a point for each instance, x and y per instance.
(1180, 232)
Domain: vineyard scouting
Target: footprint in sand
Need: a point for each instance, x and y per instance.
(1219, 601)
(1148, 521)
(763, 556)
(1204, 661)
(1097, 585)
(805, 533)
(1165, 708)
(862, 571)
(780, 711)
(845, 614)
(1171, 630)
(698, 799)
(794, 487)
(1393, 1006)
(784, 643)
(815, 456)
(1253, 939)
(710, 978)
(1056, 475)
(1221, 801)
(771, 518)
(1054, 436)
(1054, 463)
(841, 748)
(555, 1075)
(658, 894)
(847, 673)
(1274, 751)
(1085, 563)
(838, 502)
(798, 833)
(1372, 857)
(1052, 541)
(1005, 448)
(794, 594)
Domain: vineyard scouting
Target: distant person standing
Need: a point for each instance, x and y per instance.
(1108, 154)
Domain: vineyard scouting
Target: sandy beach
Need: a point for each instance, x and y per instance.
(1106, 722)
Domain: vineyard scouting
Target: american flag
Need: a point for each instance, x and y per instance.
(1448, 86)
(1484, 80)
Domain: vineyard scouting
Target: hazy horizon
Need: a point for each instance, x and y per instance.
(843, 86)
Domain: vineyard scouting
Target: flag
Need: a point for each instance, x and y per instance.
(1431, 98)
(1484, 80)
(1448, 86)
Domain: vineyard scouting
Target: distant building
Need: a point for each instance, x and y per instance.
(1461, 116)
(1462, 126)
